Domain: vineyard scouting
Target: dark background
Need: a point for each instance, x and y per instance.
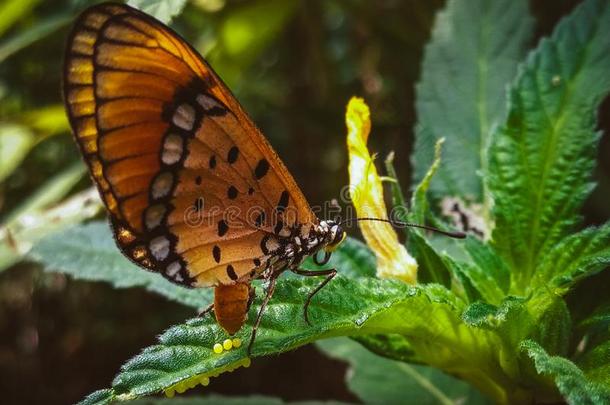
(61, 339)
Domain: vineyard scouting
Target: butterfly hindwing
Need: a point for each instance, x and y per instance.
(193, 189)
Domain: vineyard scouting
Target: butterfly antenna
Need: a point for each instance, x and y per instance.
(400, 224)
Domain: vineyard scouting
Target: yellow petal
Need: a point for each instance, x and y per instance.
(366, 190)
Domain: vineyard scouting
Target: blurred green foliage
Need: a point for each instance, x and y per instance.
(293, 64)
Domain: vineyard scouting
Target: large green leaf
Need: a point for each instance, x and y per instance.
(488, 273)
(184, 355)
(543, 318)
(88, 252)
(542, 157)
(571, 382)
(214, 399)
(578, 256)
(381, 381)
(104, 397)
(473, 53)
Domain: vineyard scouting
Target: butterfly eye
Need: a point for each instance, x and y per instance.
(334, 244)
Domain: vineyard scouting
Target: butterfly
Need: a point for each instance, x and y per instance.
(193, 189)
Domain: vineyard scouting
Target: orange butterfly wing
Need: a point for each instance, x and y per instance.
(193, 188)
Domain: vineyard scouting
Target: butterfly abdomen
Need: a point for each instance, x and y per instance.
(231, 304)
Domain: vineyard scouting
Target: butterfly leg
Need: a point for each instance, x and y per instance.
(206, 310)
(270, 290)
(329, 273)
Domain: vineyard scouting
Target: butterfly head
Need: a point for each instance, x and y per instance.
(333, 235)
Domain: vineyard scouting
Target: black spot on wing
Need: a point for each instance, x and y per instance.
(261, 169)
(216, 253)
(233, 154)
(232, 193)
(282, 204)
(231, 273)
(222, 227)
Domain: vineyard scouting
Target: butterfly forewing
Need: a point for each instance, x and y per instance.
(193, 189)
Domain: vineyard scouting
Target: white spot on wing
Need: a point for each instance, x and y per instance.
(159, 247)
(162, 185)
(184, 116)
(173, 269)
(208, 102)
(272, 245)
(154, 215)
(173, 147)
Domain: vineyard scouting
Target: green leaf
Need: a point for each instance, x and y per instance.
(100, 397)
(571, 382)
(88, 252)
(593, 352)
(37, 216)
(15, 143)
(542, 157)
(381, 381)
(392, 346)
(363, 306)
(419, 199)
(214, 399)
(473, 53)
(488, 274)
(544, 318)
(576, 257)
(599, 319)
(103, 397)
(399, 204)
(431, 266)
(28, 36)
(162, 10)
(595, 364)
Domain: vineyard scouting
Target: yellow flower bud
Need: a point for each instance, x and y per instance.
(393, 260)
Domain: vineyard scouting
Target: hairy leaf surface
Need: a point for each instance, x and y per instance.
(542, 157)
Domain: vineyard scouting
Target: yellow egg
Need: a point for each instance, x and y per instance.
(236, 342)
(217, 348)
(227, 344)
